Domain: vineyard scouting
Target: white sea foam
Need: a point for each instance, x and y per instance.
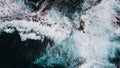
(94, 46)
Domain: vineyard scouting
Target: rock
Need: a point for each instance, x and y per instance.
(82, 26)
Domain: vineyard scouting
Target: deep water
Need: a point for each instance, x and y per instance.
(59, 34)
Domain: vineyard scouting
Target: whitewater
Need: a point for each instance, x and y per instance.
(98, 47)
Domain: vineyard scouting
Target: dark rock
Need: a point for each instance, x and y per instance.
(82, 26)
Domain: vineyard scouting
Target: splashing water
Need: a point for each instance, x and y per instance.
(98, 47)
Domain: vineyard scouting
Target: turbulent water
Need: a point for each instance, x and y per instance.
(96, 46)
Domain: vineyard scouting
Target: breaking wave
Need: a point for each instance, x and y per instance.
(96, 46)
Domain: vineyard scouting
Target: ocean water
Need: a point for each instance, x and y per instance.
(98, 46)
